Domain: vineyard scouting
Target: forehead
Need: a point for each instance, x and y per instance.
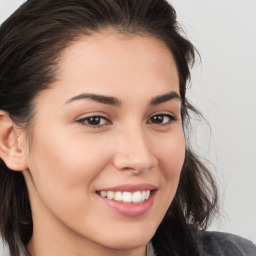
(111, 63)
(113, 51)
(114, 44)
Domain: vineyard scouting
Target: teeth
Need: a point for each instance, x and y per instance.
(147, 194)
(143, 195)
(127, 197)
(110, 194)
(137, 197)
(104, 193)
(118, 196)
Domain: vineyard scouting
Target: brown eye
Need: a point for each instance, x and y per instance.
(94, 121)
(161, 119)
(157, 119)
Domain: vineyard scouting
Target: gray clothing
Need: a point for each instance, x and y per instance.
(224, 244)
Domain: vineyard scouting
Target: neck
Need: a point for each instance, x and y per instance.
(39, 249)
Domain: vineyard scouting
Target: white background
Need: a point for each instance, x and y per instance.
(224, 89)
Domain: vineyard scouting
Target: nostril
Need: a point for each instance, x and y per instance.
(127, 168)
(134, 164)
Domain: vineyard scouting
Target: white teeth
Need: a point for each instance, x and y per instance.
(127, 197)
(110, 194)
(103, 193)
(118, 196)
(136, 197)
(143, 196)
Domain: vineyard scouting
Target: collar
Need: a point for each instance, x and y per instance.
(150, 250)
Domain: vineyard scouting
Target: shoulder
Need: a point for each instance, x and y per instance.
(224, 244)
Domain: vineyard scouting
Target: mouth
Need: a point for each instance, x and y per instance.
(130, 200)
(135, 197)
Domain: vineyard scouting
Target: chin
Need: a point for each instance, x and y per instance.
(127, 243)
(129, 240)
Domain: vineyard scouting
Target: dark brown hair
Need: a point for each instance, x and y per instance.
(31, 41)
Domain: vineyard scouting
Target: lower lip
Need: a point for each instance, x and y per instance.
(130, 209)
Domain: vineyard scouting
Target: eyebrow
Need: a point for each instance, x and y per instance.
(109, 100)
(164, 98)
(98, 98)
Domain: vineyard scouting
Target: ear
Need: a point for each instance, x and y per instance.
(12, 144)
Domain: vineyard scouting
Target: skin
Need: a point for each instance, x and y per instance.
(70, 160)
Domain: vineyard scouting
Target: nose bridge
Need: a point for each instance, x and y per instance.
(134, 150)
(136, 141)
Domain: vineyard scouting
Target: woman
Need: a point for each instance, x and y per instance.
(94, 160)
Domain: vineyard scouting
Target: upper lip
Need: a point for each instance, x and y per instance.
(130, 187)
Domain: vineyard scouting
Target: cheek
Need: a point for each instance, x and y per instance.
(61, 167)
(172, 156)
(64, 167)
(171, 162)
(63, 176)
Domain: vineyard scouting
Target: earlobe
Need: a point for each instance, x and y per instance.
(11, 150)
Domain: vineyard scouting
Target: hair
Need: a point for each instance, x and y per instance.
(31, 41)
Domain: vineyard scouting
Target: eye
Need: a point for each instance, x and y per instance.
(161, 119)
(94, 121)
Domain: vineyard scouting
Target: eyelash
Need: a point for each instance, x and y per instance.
(158, 117)
(161, 117)
(86, 120)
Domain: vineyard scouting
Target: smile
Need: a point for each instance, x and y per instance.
(129, 200)
(125, 196)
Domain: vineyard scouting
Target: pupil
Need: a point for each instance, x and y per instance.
(94, 120)
(158, 119)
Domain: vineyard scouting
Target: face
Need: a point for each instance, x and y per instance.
(107, 144)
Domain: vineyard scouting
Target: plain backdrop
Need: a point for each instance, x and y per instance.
(223, 87)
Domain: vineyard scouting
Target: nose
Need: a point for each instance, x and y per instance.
(133, 152)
